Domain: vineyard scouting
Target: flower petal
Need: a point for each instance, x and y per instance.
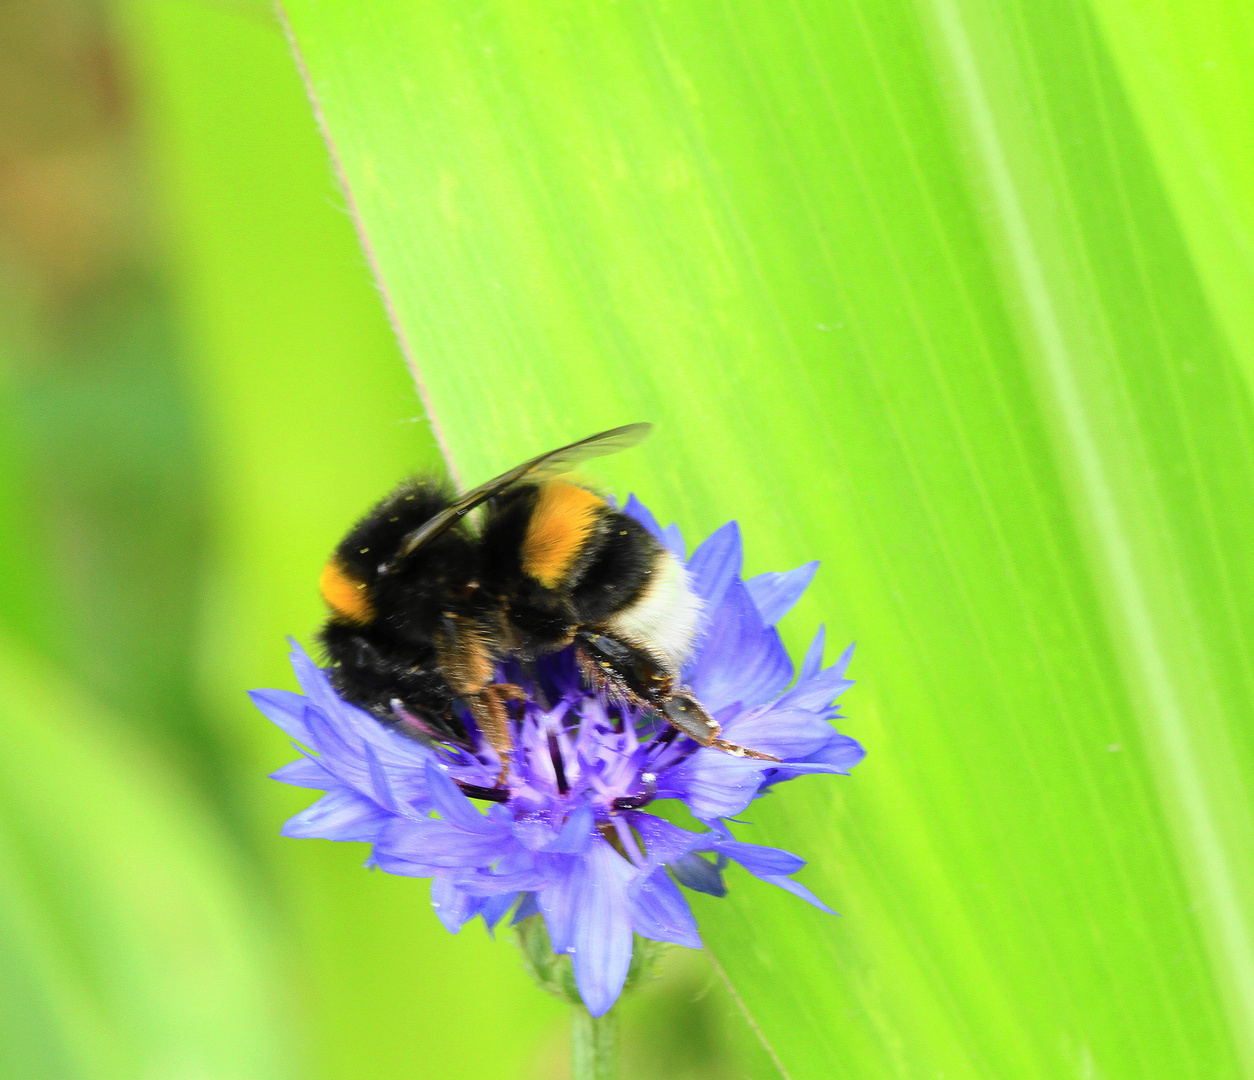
(699, 874)
(774, 594)
(452, 906)
(341, 814)
(788, 734)
(673, 541)
(285, 709)
(740, 658)
(712, 783)
(797, 889)
(313, 680)
(527, 907)
(759, 860)
(305, 772)
(435, 842)
(452, 804)
(818, 690)
(380, 784)
(663, 842)
(483, 883)
(660, 912)
(394, 864)
(350, 722)
(514, 872)
(557, 902)
(813, 662)
(773, 865)
(575, 835)
(494, 909)
(716, 564)
(841, 752)
(600, 940)
(637, 511)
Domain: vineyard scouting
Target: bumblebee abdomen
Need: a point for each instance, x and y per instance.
(663, 615)
(562, 531)
(617, 572)
(577, 558)
(638, 591)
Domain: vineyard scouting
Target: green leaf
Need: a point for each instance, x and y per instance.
(1188, 71)
(903, 289)
(311, 418)
(133, 943)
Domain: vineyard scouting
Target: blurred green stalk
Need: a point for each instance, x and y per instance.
(594, 1045)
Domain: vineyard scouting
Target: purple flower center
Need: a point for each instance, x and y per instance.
(585, 750)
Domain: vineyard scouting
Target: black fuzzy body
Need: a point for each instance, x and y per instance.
(460, 584)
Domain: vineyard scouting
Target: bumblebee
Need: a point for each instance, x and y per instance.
(423, 606)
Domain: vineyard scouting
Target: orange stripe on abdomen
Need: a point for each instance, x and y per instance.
(563, 520)
(345, 595)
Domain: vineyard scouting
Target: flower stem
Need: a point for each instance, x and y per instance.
(594, 1045)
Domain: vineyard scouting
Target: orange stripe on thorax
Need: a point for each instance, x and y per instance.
(564, 518)
(345, 594)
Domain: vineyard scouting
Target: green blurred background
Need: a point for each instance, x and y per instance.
(954, 295)
(200, 392)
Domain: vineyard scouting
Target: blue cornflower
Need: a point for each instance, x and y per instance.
(572, 840)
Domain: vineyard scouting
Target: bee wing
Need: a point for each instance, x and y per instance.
(538, 468)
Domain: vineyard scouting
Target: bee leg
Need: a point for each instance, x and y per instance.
(623, 671)
(466, 662)
(685, 712)
(488, 708)
(630, 673)
(508, 691)
(537, 693)
(423, 724)
(688, 716)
